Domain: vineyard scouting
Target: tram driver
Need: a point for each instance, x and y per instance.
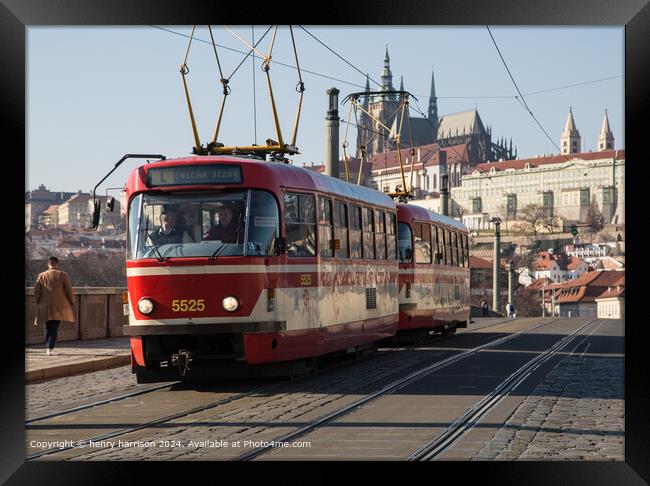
(170, 231)
(229, 229)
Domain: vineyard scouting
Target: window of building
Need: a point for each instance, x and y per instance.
(584, 197)
(476, 205)
(355, 232)
(300, 223)
(368, 234)
(511, 207)
(404, 243)
(547, 203)
(380, 235)
(422, 238)
(341, 229)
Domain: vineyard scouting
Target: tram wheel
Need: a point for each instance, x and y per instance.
(449, 331)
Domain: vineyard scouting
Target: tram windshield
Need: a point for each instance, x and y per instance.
(222, 223)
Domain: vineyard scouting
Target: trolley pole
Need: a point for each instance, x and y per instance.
(496, 277)
(332, 134)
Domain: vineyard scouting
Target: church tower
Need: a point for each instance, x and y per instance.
(433, 108)
(570, 140)
(606, 137)
(383, 108)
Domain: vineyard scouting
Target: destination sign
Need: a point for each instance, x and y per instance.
(194, 175)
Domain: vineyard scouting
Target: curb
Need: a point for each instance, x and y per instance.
(70, 369)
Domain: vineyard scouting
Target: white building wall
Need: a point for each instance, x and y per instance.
(529, 184)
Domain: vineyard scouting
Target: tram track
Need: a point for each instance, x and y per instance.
(386, 390)
(473, 416)
(158, 421)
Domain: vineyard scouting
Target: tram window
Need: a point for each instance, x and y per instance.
(264, 224)
(466, 250)
(390, 237)
(355, 232)
(325, 240)
(443, 232)
(341, 229)
(435, 245)
(300, 222)
(405, 243)
(461, 251)
(368, 234)
(454, 248)
(380, 234)
(134, 218)
(422, 237)
(448, 258)
(172, 226)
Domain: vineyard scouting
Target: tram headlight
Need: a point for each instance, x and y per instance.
(230, 303)
(145, 305)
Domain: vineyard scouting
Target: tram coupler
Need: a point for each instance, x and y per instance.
(182, 361)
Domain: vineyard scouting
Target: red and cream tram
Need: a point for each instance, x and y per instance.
(433, 271)
(234, 262)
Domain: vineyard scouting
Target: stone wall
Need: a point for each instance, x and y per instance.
(99, 313)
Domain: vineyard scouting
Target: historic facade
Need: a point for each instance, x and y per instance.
(564, 187)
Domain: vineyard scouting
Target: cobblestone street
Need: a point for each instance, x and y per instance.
(576, 413)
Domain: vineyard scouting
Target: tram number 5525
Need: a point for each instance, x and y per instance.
(185, 305)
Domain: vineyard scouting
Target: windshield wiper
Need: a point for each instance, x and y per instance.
(217, 252)
(160, 258)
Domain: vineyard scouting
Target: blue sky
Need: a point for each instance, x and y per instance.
(94, 94)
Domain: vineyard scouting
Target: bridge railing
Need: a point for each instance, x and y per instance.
(477, 311)
(99, 313)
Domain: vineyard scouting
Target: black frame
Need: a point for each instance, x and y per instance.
(633, 14)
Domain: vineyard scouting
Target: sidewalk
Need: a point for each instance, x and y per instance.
(75, 357)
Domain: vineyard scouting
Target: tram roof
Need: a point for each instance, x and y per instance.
(418, 212)
(290, 176)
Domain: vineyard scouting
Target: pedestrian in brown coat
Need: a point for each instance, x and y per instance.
(55, 301)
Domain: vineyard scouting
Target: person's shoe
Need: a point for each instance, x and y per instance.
(49, 351)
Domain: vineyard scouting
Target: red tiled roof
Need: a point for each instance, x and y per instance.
(573, 263)
(618, 291)
(429, 155)
(553, 159)
(475, 262)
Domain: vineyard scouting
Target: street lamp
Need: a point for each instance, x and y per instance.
(496, 276)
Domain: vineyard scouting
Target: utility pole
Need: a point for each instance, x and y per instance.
(496, 277)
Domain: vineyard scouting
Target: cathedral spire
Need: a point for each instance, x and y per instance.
(387, 76)
(401, 83)
(433, 106)
(606, 137)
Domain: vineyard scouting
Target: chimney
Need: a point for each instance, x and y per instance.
(444, 195)
(332, 134)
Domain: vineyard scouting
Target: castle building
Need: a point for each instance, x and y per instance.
(463, 128)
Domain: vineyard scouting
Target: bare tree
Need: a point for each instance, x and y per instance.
(534, 216)
(595, 218)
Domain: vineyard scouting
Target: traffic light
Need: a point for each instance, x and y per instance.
(574, 230)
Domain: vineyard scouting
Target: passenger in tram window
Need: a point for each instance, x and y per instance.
(170, 231)
(230, 228)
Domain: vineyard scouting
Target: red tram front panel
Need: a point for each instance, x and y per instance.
(288, 306)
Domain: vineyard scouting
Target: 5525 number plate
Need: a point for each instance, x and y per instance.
(188, 305)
